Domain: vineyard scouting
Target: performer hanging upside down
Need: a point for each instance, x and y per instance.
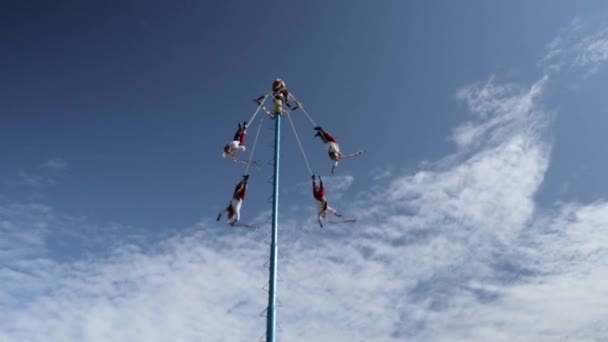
(323, 207)
(333, 149)
(234, 208)
(238, 143)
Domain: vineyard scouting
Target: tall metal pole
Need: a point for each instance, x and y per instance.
(272, 282)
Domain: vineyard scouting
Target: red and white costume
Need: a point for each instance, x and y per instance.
(333, 149)
(323, 207)
(238, 143)
(234, 208)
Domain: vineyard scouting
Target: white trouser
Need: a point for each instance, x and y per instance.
(332, 147)
(236, 145)
(236, 207)
(321, 210)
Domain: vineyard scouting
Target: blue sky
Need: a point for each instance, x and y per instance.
(480, 202)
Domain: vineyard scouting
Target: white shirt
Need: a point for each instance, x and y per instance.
(236, 206)
(333, 147)
(236, 146)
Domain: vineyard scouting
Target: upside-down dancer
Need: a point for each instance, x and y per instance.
(238, 143)
(333, 149)
(318, 192)
(234, 208)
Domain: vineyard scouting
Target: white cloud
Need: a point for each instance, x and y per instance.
(581, 45)
(555, 51)
(39, 179)
(563, 295)
(499, 108)
(175, 291)
(55, 164)
(379, 174)
(593, 51)
(338, 185)
(25, 179)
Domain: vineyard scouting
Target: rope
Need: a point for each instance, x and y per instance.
(304, 110)
(257, 110)
(299, 143)
(255, 142)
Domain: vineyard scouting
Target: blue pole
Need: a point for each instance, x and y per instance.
(272, 282)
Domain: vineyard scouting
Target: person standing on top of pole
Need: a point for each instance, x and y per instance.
(278, 88)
